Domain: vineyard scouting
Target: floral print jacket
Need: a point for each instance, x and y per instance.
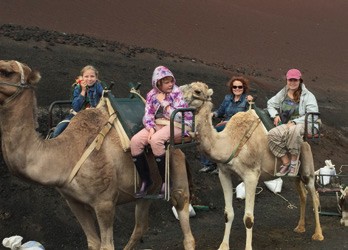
(174, 100)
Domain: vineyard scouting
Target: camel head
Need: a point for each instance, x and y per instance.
(196, 93)
(15, 76)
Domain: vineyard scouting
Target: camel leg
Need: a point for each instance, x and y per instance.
(227, 187)
(181, 203)
(180, 196)
(87, 222)
(318, 234)
(250, 188)
(308, 165)
(301, 226)
(141, 223)
(105, 213)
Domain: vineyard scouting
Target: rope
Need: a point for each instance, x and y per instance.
(251, 103)
(133, 91)
(167, 175)
(290, 206)
(125, 141)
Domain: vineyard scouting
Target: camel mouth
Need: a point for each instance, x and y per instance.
(198, 97)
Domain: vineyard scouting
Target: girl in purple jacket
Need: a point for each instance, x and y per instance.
(161, 101)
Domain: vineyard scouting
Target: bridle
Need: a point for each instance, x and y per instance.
(22, 84)
(197, 97)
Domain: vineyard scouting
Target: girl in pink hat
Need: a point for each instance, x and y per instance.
(288, 109)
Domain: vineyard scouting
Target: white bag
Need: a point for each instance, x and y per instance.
(15, 243)
(274, 185)
(240, 191)
(326, 171)
(191, 211)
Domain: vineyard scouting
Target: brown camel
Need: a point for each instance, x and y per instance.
(104, 180)
(242, 148)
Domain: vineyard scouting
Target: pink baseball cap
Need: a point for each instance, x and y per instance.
(293, 74)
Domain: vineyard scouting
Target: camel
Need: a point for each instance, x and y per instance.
(105, 179)
(242, 148)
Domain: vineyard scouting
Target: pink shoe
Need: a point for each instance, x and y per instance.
(293, 169)
(284, 169)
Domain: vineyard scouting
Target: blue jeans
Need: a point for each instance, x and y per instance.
(205, 161)
(62, 126)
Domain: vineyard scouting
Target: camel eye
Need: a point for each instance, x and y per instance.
(5, 73)
(197, 92)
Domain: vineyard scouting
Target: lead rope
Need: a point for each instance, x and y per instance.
(290, 205)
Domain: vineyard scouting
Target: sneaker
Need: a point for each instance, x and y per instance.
(207, 169)
(284, 169)
(215, 171)
(293, 169)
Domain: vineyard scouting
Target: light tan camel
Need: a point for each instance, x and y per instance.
(242, 148)
(105, 179)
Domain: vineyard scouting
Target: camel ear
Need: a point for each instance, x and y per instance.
(186, 93)
(34, 77)
(183, 88)
(210, 92)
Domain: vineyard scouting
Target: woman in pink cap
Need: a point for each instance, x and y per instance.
(287, 109)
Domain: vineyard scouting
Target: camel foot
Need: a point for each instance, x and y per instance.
(224, 246)
(189, 244)
(300, 229)
(318, 237)
(93, 246)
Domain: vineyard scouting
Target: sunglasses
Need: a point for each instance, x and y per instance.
(238, 87)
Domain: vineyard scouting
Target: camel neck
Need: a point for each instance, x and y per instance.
(23, 149)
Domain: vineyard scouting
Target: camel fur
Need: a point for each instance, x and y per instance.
(105, 179)
(343, 203)
(242, 148)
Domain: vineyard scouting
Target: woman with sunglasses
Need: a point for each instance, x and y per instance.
(233, 103)
(287, 109)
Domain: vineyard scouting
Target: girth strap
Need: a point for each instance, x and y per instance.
(96, 144)
(244, 139)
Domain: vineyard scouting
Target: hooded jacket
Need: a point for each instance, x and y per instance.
(174, 100)
(308, 103)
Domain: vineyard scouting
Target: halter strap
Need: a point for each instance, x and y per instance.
(22, 84)
(21, 71)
